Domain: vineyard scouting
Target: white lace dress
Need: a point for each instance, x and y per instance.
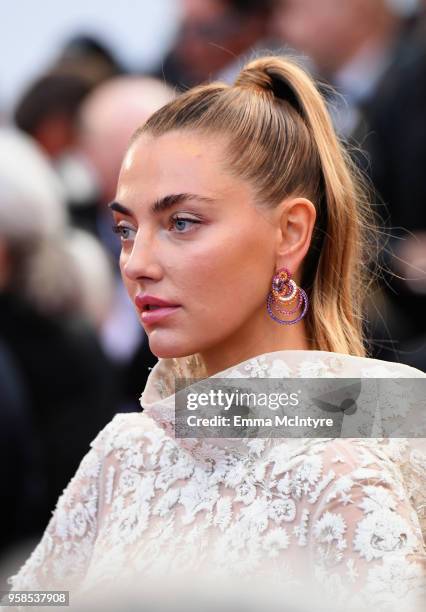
(344, 514)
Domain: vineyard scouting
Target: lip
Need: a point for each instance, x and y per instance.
(152, 316)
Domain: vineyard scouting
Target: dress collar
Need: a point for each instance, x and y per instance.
(158, 397)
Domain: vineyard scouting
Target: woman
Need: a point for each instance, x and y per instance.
(245, 251)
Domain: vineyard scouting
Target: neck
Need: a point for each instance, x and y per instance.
(252, 340)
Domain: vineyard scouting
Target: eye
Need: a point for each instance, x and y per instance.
(179, 223)
(123, 231)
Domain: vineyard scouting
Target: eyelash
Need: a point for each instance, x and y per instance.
(117, 229)
(184, 219)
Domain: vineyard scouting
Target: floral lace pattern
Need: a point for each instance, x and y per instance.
(347, 514)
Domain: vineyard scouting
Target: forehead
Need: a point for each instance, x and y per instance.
(177, 162)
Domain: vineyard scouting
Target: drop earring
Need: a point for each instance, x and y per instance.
(286, 298)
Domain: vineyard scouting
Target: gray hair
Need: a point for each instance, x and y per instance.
(33, 224)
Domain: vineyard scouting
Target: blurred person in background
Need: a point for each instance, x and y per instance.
(45, 327)
(105, 122)
(48, 109)
(395, 129)
(90, 57)
(20, 485)
(107, 119)
(372, 52)
(351, 44)
(47, 112)
(213, 38)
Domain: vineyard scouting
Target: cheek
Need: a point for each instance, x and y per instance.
(226, 277)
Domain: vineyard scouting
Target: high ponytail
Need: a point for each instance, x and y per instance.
(281, 139)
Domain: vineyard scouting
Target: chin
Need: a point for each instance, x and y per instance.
(169, 348)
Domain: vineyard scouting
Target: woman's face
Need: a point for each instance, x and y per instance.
(208, 249)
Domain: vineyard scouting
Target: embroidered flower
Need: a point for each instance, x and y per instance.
(246, 492)
(314, 369)
(78, 520)
(330, 527)
(279, 369)
(381, 532)
(257, 367)
(330, 543)
(128, 481)
(282, 510)
(310, 470)
(195, 496)
(377, 498)
(276, 540)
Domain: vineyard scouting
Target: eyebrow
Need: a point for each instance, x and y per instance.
(164, 203)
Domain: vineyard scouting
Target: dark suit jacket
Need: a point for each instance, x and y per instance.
(70, 387)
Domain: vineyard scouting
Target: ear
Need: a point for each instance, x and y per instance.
(295, 224)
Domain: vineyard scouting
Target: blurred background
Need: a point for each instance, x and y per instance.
(76, 80)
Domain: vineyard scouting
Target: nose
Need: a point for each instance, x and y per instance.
(141, 261)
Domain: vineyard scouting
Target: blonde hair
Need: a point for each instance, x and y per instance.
(281, 139)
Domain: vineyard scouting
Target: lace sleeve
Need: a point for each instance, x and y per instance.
(366, 538)
(61, 558)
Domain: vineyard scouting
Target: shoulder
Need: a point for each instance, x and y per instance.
(383, 369)
(124, 428)
(318, 364)
(366, 367)
(127, 442)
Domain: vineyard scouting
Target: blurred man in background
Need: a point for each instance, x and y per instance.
(84, 125)
(213, 37)
(374, 56)
(107, 119)
(48, 108)
(351, 44)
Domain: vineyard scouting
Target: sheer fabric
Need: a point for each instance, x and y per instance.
(346, 516)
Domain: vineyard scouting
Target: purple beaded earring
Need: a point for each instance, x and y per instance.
(286, 293)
